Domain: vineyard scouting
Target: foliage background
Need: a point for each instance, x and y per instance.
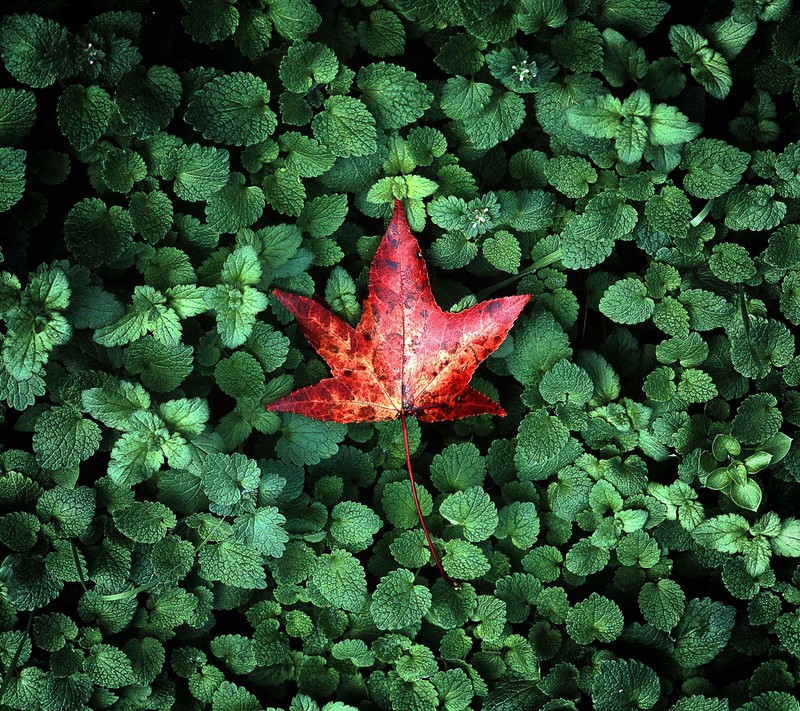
(626, 537)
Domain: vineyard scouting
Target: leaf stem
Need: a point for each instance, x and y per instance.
(755, 348)
(700, 216)
(12, 667)
(545, 261)
(77, 560)
(154, 581)
(419, 509)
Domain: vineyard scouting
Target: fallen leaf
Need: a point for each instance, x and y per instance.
(406, 356)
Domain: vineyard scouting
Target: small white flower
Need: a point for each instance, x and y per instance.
(523, 70)
(480, 217)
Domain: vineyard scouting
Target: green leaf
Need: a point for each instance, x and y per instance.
(36, 51)
(753, 208)
(599, 118)
(284, 191)
(263, 530)
(198, 171)
(233, 564)
(473, 511)
(568, 383)
(17, 115)
(147, 314)
(703, 632)
(97, 234)
(66, 513)
(115, 402)
(340, 579)
(638, 16)
(235, 301)
(19, 530)
(625, 683)
(232, 109)
(584, 558)
(458, 467)
(757, 419)
(464, 560)
(727, 533)
(305, 155)
(570, 175)
(398, 602)
(294, 19)
(345, 127)
(306, 441)
(307, 64)
(235, 205)
(209, 21)
(353, 525)
(519, 521)
(382, 34)
(670, 211)
(767, 343)
(595, 618)
(145, 521)
(163, 366)
(731, 263)
(12, 177)
(712, 167)
(151, 215)
(626, 301)
(502, 250)
(668, 126)
(662, 603)
(108, 666)
(787, 627)
(589, 237)
(240, 376)
(579, 46)
(463, 98)
(148, 98)
(393, 94)
(496, 122)
(227, 477)
(63, 438)
(398, 503)
(324, 215)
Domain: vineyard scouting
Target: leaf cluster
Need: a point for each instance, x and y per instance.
(627, 537)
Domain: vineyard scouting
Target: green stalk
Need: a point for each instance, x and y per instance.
(700, 216)
(15, 659)
(146, 586)
(545, 261)
(77, 563)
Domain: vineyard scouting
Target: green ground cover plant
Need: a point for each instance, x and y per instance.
(625, 538)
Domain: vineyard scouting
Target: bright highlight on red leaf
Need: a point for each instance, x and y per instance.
(406, 356)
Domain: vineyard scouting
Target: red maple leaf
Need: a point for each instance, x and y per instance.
(406, 356)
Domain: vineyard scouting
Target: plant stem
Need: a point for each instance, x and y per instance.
(545, 261)
(419, 509)
(12, 667)
(700, 216)
(77, 563)
(755, 348)
(151, 583)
